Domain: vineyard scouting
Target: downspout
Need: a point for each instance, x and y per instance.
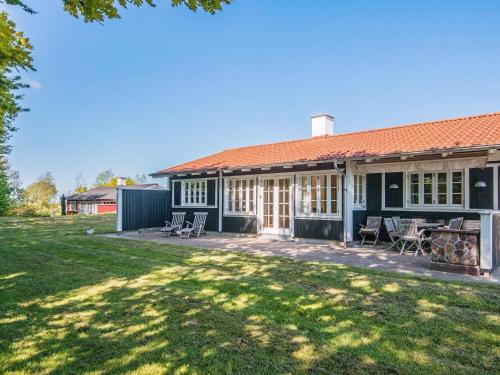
(344, 201)
(220, 185)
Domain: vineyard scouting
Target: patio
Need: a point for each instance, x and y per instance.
(371, 257)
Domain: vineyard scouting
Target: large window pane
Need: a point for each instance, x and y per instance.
(442, 186)
(428, 188)
(334, 194)
(240, 195)
(323, 181)
(230, 195)
(457, 188)
(414, 188)
(314, 194)
(250, 195)
(303, 195)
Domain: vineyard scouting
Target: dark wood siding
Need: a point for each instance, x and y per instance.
(319, 229)
(394, 197)
(239, 224)
(177, 192)
(144, 208)
(481, 198)
(211, 192)
(374, 191)
(212, 223)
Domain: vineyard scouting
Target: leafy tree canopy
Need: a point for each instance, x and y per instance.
(104, 178)
(107, 178)
(42, 192)
(81, 185)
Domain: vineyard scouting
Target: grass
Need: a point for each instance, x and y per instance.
(72, 303)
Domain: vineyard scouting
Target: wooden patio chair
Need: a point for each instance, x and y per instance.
(410, 234)
(392, 232)
(397, 222)
(196, 227)
(174, 225)
(456, 223)
(372, 228)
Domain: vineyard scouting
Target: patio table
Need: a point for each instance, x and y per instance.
(429, 225)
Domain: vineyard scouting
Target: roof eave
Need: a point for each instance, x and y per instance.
(339, 158)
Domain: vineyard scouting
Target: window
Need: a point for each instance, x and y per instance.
(436, 188)
(319, 195)
(240, 196)
(194, 193)
(359, 190)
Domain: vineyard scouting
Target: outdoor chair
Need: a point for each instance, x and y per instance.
(456, 223)
(196, 227)
(410, 235)
(392, 232)
(371, 229)
(174, 225)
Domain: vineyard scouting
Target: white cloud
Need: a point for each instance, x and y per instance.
(34, 84)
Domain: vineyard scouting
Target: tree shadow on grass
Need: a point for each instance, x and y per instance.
(117, 306)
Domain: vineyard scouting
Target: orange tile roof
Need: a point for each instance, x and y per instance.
(464, 132)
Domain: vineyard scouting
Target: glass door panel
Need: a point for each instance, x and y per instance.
(284, 203)
(268, 202)
(276, 195)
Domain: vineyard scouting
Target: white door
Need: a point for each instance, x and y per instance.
(275, 195)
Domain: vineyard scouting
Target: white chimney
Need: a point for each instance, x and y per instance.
(121, 181)
(322, 125)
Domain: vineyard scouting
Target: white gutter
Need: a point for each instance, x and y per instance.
(220, 185)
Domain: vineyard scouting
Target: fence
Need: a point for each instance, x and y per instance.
(138, 209)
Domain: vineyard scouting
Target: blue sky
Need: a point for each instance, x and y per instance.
(165, 85)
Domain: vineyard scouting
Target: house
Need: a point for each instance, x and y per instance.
(323, 187)
(100, 200)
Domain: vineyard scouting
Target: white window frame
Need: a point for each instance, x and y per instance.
(253, 193)
(356, 187)
(328, 215)
(198, 189)
(435, 204)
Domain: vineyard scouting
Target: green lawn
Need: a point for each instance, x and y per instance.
(71, 303)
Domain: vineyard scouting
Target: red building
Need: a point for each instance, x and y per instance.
(101, 200)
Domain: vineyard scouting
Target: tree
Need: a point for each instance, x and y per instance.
(128, 181)
(15, 56)
(16, 193)
(81, 185)
(104, 178)
(100, 10)
(141, 179)
(5, 192)
(42, 192)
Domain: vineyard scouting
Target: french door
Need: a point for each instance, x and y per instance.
(275, 195)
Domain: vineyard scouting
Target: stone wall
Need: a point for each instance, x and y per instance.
(455, 247)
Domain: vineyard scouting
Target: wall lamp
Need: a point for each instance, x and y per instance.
(393, 186)
(480, 184)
